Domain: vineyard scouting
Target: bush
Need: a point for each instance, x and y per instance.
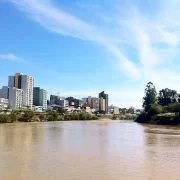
(127, 117)
(94, 117)
(52, 116)
(173, 107)
(27, 116)
(4, 118)
(42, 117)
(67, 118)
(142, 118)
(82, 116)
(114, 117)
(60, 118)
(13, 117)
(155, 109)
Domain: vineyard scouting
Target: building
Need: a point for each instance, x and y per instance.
(89, 101)
(55, 100)
(64, 103)
(14, 95)
(84, 101)
(116, 110)
(74, 102)
(3, 104)
(40, 97)
(95, 103)
(102, 104)
(15, 98)
(38, 109)
(26, 83)
(4, 92)
(105, 97)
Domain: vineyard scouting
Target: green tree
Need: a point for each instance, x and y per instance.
(27, 116)
(155, 109)
(174, 108)
(150, 97)
(42, 117)
(13, 116)
(52, 116)
(167, 96)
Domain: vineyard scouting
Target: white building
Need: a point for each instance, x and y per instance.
(3, 103)
(14, 95)
(116, 110)
(15, 98)
(38, 108)
(26, 83)
(64, 103)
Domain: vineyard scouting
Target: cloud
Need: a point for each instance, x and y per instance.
(10, 57)
(144, 44)
(65, 23)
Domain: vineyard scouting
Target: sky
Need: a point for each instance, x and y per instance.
(80, 47)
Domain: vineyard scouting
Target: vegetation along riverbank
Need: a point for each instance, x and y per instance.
(30, 116)
(162, 108)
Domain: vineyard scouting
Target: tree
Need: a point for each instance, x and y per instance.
(167, 96)
(150, 97)
(60, 110)
(174, 107)
(155, 109)
(52, 116)
(27, 116)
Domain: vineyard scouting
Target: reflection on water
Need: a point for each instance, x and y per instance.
(98, 150)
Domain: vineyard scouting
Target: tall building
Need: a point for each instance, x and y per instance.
(40, 97)
(105, 97)
(89, 101)
(102, 104)
(14, 95)
(95, 103)
(15, 98)
(4, 92)
(84, 101)
(26, 83)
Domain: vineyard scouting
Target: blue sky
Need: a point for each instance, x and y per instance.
(81, 47)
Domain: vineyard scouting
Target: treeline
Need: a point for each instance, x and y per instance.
(124, 117)
(162, 108)
(29, 116)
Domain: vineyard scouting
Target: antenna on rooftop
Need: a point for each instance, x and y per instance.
(58, 94)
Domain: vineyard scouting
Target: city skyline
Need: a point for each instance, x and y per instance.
(83, 47)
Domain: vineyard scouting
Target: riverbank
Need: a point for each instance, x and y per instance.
(29, 116)
(159, 119)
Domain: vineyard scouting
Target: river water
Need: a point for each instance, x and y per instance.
(92, 150)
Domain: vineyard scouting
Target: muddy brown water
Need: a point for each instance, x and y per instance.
(90, 150)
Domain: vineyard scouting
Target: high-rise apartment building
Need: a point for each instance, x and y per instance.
(40, 97)
(14, 95)
(95, 103)
(102, 104)
(105, 97)
(89, 101)
(26, 83)
(84, 101)
(4, 92)
(15, 98)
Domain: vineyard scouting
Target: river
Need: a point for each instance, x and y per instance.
(89, 150)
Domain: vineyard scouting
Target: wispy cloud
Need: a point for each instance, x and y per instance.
(153, 37)
(65, 23)
(10, 57)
